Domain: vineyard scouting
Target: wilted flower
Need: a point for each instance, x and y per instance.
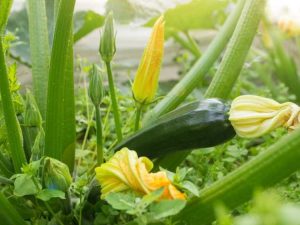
(252, 116)
(95, 86)
(126, 171)
(56, 175)
(107, 47)
(146, 79)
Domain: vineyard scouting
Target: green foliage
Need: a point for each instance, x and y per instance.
(146, 209)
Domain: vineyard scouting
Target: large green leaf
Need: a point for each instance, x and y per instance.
(84, 23)
(198, 14)
(195, 14)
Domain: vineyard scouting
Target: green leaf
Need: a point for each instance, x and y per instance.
(85, 22)
(47, 194)
(8, 214)
(190, 187)
(166, 208)
(197, 14)
(24, 185)
(121, 201)
(151, 197)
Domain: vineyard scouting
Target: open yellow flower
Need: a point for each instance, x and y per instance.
(146, 79)
(126, 171)
(253, 116)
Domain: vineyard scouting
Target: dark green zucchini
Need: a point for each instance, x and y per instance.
(196, 125)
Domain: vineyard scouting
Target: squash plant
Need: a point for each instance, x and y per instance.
(39, 188)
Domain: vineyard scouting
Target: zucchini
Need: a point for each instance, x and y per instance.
(196, 125)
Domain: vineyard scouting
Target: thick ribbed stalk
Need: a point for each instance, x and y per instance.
(114, 102)
(58, 85)
(39, 50)
(237, 50)
(11, 122)
(192, 79)
(8, 214)
(69, 141)
(99, 136)
(269, 167)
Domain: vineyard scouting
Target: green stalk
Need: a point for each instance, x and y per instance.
(11, 122)
(99, 136)
(237, 50)
(191, 80)
(59, 86)
(187, 45)
(8, 214)
(114, 101)
(39, 49)
(138, 117)
(265, 170)
(5, 6)
(69, 128)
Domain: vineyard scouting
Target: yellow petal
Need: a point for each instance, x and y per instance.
(126, 171)
(146, 79)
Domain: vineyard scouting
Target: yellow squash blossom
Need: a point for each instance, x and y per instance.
(252, 116)
(126, 171)
(289, 26)
(146, 79)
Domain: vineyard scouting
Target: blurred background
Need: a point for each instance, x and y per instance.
(132, 35)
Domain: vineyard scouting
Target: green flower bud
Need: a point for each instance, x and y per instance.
(107, 47)
(32, 115)
(95, 86)
(38, 147)
(56, 175)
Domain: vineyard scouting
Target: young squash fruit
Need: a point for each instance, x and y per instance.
(195, 125)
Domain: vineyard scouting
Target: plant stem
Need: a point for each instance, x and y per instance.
(191, 80)
(4, 180)
(114, 101)
(265, 170)
(237, 50)
(99, 136)
(138, 117)
(11, 122)
(186, 45)
(59, 86)
(53, 213)
(39, 50)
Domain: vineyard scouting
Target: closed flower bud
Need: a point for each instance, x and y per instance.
(32, 115)
(95, 86)
(126, 171)
(146, 79)
(56, 175)
(107, 47)
(253, 116)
